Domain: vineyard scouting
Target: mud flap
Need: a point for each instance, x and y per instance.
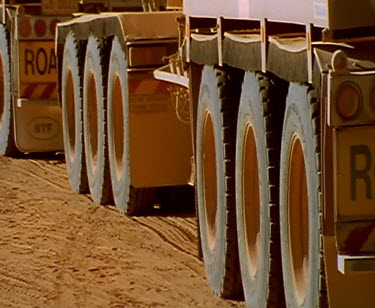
(38, 126)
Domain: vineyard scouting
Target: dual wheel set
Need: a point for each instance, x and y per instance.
(94, 98)
(257, 159)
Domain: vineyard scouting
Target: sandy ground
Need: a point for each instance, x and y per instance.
(58, 249)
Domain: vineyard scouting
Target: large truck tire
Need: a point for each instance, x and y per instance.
(95, 121)
(215, 157)
(199, 241)
(300, 213)
(128, 199)
(7, 142)
(257, 180)
(72, 115)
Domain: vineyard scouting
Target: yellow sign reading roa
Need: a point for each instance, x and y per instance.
(58, 7)
(37, 62)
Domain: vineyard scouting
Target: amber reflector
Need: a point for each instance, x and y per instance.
(25, 27)
(40, 28)
(348, 101)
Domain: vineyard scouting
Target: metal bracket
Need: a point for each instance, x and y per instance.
(187, 35)
(3, 15)
(220, 36)
(264, 44)
(355, 264)
(309, 53)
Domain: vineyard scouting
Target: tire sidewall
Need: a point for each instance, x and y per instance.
(251, 111)
(120, 182)
(73, 157)
(214, 261)
(95, 174)
(7, 117)
(298, 121)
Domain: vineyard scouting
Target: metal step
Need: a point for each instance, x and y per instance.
(355, 264)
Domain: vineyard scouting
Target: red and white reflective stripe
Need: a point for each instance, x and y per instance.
(356, 237)
(39, 91)
(149, 96)
(147, 87)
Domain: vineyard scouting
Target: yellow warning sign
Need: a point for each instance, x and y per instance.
(37, 62)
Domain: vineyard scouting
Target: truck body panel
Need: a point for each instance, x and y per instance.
(123, 24)
(353, 289)
(38, 127)
(321, 13)
(31, 29)
(160, 145)
(55, 7)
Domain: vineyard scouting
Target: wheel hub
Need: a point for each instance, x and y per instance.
(298, 219)
(92, 111)
(210, 179)
(251, 200)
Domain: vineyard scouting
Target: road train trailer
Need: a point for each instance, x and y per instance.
(30, 115)
(275, 102)
(281, 94)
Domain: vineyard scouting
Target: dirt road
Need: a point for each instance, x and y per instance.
(58, 249)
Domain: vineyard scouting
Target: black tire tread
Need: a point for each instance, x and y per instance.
(273, 92)
(313, 99)
(104, 51)
(80, 50)
(228, 82)
(10, 148)
(84, 186)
